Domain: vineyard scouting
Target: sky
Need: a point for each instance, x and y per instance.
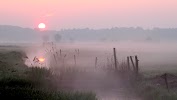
(95, 14)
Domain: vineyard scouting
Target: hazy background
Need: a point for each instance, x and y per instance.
(146, 28)
(64, 14)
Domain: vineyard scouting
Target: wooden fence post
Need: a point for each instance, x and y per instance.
(75, 60)
(137, 65)
(55, 58)
(64, 60)
(166, 81)
(128, 63)
(96, 61)
(132, 63)
(115, 58)
(60, 52)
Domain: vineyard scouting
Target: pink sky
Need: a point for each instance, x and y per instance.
(58, 14)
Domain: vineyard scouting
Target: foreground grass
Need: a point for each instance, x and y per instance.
(33, 89)
(152, 92)
(17, 81)
(148, 90)
(35, 94)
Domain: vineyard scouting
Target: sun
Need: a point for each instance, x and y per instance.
(41, 26)
(41, 59)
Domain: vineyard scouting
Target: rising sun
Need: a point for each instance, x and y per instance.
(41, 26)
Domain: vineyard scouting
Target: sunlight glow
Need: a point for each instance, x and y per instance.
(41, 59)
(41, 26)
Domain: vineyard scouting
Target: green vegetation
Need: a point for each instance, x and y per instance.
(154, 88)
(35, 83)
(153, 92)
(21, 82)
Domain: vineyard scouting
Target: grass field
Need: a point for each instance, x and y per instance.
(34, 83)
(81, 81)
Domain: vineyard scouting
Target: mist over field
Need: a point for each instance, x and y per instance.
(153, 46)
(83, 59)
(88, 49)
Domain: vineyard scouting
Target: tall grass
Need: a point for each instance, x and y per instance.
(148, 90)
(17, 81)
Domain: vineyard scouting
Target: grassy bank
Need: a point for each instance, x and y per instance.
(20, 82)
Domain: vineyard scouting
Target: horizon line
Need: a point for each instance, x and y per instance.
(134, 27)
